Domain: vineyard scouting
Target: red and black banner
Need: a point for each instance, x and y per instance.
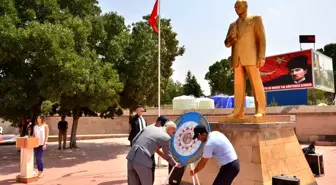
(288, 71)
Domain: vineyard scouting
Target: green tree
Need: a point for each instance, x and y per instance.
(29, 57)
(80, 8)
(95, 88)
(49, 50)
(172, 90)
(95, 85)
(191, 86)
(113, 44)
(139, 70)
(221, 78)
(316, 96)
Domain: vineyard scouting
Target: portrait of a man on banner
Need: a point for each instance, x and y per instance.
(288, 71)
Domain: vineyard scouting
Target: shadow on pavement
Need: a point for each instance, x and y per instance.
(116, 182)
(54, 158)
(8, 182)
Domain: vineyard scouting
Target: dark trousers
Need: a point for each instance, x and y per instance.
(153, 167)
(227, 173)
(39, 158)
(176, 176)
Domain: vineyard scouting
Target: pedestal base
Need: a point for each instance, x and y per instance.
(26, 180)
(27, 146)
(264, 150)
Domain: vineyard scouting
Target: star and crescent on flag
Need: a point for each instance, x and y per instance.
(279, 60)
(274, 67)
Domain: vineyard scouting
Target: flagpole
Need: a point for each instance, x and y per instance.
(159, 68)
(159, 60)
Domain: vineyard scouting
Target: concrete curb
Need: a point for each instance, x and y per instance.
(11, 139)
(54, 138)
(325, 143)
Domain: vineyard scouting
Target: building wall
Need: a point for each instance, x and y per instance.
(312, 122)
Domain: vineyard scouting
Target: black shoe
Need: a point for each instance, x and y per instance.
(59, 148)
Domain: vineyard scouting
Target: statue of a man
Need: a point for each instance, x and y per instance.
(246, 36)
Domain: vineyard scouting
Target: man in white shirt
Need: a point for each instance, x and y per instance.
(218, 146)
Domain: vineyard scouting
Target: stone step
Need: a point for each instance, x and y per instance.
(278, 118)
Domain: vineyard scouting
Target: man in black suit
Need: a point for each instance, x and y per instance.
(137, 123)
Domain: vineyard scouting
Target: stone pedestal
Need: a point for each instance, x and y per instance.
(27, 146)
(264, 150)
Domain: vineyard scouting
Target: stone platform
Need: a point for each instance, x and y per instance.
(264, 150)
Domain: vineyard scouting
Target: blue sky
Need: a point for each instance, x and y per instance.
(202, 25)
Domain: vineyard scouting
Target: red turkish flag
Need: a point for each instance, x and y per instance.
(152, 19)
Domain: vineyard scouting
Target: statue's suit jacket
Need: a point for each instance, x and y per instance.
(251, 41)
(146, 143)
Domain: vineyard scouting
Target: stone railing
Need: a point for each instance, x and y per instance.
(312, 122)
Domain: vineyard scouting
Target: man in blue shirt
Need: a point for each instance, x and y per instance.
(218, 146)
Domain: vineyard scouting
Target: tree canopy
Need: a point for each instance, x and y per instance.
(49, 51)
(191, 86)
(65, 57)
(172, 90)
(139, 69)
(220, 78)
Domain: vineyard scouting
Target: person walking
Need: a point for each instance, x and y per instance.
(218, 146)
(41, 131)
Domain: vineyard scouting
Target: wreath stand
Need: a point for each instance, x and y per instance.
(192, 167)
(186, 123)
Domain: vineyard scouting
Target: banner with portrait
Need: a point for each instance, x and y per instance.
(288, 71)
(323, 72)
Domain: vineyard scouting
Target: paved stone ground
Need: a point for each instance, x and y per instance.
(102, 162)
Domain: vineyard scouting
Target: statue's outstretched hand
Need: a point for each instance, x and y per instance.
(261, 63)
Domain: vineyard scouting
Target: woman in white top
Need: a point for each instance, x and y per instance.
(41, 131)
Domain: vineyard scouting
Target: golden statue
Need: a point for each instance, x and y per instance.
(246, 36)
